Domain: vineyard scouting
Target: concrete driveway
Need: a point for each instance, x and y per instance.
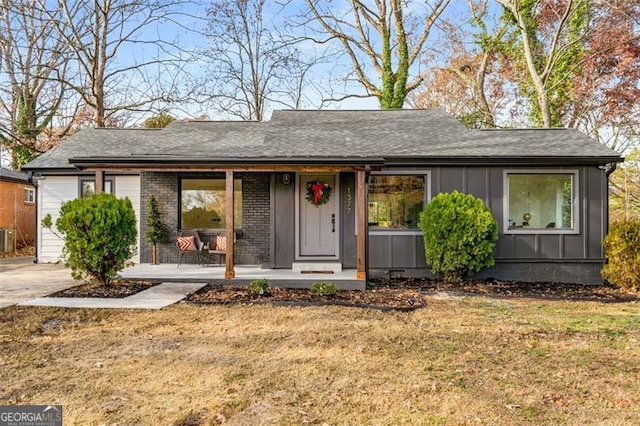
(21, 279)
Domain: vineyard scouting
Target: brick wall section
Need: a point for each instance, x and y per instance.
(16, 213)
(252, 247)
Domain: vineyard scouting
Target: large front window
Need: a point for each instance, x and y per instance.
(203, 204)
(541, 201)
(395, 201)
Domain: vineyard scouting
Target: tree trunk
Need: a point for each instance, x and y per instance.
(154, 254)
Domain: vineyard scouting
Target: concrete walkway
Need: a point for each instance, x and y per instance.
(21, 279)
(156, 297)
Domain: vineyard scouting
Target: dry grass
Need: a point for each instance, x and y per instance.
(462, 360)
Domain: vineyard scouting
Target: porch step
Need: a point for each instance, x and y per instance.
(317, 267)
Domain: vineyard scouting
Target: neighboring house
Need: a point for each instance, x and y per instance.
(17, 207)
(547, 188)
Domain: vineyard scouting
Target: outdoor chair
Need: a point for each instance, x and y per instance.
(218, 247)
(189, 243)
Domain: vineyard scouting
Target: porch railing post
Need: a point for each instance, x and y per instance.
(229, 272)
(361, 247)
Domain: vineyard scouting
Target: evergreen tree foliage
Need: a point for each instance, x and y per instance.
(156, 231)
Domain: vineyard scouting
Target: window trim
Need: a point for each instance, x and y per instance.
(83, 179)
(426, 199)
(32, 195)
(223, 178)
(575, 205)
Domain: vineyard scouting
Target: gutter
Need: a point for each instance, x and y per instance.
(500, 161)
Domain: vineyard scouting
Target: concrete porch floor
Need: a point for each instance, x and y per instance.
(345, 280)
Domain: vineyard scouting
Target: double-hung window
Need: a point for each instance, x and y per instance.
(541, 201)
(396, 200)
(203, 203)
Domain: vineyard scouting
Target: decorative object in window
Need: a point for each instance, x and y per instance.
(318, 192)
(540, 201)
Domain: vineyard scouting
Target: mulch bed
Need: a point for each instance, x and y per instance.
(402, 294)
(117, 290)
(397, 298)
(493, 287)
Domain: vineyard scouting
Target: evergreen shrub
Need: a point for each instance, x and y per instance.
(99, 235)
(622, 249)
(460, 235)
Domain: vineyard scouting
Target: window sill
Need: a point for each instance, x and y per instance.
(541, 231)
(395, 232)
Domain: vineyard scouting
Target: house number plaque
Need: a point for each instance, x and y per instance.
(349, 200)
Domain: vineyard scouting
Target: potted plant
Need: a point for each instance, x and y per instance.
(156, 231)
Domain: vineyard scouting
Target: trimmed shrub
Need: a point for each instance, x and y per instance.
(259, 286)
(99, 236)
(622, 248)
(460, 235)
(323, 288)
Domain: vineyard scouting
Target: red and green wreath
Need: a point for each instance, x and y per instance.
(318, 192)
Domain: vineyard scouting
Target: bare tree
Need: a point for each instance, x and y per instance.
(471, 85)
(122, 65)
(383, 41)
(34, 61)
(252, 65)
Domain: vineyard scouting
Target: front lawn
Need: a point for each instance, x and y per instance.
(458, 360)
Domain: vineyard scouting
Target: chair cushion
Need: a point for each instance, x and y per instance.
(186, 243)
(221, 243)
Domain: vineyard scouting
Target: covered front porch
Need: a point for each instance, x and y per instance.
(273, 208)
(347, 279)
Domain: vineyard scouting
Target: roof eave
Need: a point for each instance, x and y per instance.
(167, 161)
(502, 161)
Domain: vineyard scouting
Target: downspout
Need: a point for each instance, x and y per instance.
(609, 169)
(33, 182)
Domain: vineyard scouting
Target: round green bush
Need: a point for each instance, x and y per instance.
(99, 236)
(622, 248)
(460, 235)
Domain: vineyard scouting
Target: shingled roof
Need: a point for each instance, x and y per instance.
(6, 174)
(382, 136)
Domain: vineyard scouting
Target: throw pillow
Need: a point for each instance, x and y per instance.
(221, 243)
(186, 243)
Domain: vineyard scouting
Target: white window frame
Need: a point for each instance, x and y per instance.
(31, 199)
(575, 204)
(427, 198)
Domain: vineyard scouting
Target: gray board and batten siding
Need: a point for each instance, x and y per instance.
(534, 256)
